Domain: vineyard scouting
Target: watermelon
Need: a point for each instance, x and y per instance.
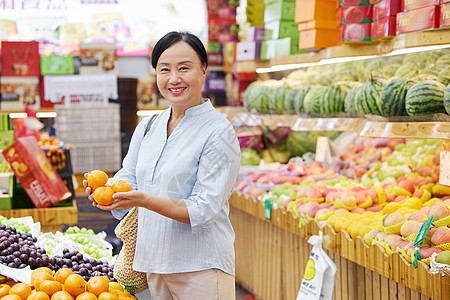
(444, 75)
(257, 94)
(447, 99)
(312, 102)
(368, 97)
(424, 98)
(443, 60)
(276, 98)
(407, 70)
(298, 101)
(300, 142)
(392, 97)
(351, 100)
(289, 100)
(333, 99)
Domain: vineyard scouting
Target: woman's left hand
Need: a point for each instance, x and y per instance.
(125, 200)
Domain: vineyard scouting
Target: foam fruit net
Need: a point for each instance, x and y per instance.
(123, 268)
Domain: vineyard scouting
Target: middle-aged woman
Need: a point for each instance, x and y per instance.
(182, 172)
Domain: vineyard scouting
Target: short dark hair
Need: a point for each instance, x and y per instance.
(175, 36)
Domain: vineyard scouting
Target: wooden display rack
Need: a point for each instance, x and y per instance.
(51, 218)
(271, 257)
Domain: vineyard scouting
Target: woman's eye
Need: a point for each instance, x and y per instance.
(163, 70)
(183, 68)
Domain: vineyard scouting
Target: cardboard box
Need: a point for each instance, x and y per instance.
(214, 84)
(6, 139)
(356, 32)
(214, 47)
(222, 30)
(356, 14)
(418, 19)
(309, 10)
(318, 38)
(255, 34)
(215, 59)
(98, 58)
(282, 29)
(386, 8)
(355, 2)
(408, 5)
(280, 47)
(248, 51)
(20, 59)
(325, 24)
(444, 19)
(444, 1)
(57, 65)
(279, 11)
(6, 190)
(31, 167)
(229, 56)
(385, 27)
(220, 8)
(18, 92)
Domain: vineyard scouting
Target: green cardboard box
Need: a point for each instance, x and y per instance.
(282, 29)
(6, 185)
(57, 65)
(279, 11)
(6, 138)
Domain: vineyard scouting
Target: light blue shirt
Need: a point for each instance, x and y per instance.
(198, 164)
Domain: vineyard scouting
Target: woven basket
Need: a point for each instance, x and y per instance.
(134, 281)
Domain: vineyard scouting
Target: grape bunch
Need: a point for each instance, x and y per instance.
(18, 225)
(76, 229)
(84, 266)
(18, 250)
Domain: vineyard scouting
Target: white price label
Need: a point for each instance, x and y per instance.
(323, 151)
(444, 174)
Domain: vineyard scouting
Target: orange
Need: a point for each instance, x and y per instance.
(50, 287)
(21, 289)
(43, 269)
(4, 289)
(61, 295)
(121, 186)
(38, 277)
(107, 296)
(96, 179)
(11, 297)
(86, 296)
(75, 285)
(115, 286)
(38, 296)
(62, 274)
(103, 195)
(98, 285)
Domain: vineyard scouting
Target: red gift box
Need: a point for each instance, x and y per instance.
(386, 8)
(408, 5)
(35, 173)
(20, 59)
(356, 14)
(222, 30)
(418, 19)
(384, 27)
(444, 19)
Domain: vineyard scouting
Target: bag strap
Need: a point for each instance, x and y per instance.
(150, 122)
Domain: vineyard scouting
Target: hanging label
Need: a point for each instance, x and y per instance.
(323, 151)
(420, 237)
(444, 175)
(268, 209)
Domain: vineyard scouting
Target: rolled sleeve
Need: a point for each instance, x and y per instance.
(216, 176)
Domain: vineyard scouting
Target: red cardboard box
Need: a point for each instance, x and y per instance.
(386, 8)
(354, 2)
(385, 27)
(444, 19)
(38, 178)
(444, 1)
(356, 32)
(221, 9)
(20, 59)
(356, 14)
(418, 19)
(222, 30)
(408, 5)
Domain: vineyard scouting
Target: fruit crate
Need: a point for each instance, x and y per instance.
(87, 123)
(103, 155)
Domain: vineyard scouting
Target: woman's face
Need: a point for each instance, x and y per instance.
(180, 75)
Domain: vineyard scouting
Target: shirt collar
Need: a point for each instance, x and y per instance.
(206, 106)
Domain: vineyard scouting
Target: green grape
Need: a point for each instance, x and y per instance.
(90, 231)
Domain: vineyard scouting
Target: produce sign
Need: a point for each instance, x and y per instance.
(41, 182)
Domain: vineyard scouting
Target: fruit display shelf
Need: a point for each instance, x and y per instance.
(51, 218)
(402, 41)
(271, 256)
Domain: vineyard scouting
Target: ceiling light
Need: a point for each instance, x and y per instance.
(327, 61)
(416, 49)
(46, 115)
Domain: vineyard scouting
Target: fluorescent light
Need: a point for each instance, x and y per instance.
(46, 115)
(263, 70)
(327, 61)
(284, 67)
(18, 115)
(416, 49)
(146, 113)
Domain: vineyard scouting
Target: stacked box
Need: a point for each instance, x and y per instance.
(316, 23)
(255, 12)
(444, 19)
(418, 15)
(384, 18)
(356, 22)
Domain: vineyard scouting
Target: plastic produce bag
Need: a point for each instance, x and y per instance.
(320, 272)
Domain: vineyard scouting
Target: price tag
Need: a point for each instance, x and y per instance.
(444, 177)
(420, 237)
(268, 209)
(323, 150)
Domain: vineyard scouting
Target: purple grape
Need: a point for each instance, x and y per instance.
(23, 257)
(76, 268)
(31, 261)
(74, 258)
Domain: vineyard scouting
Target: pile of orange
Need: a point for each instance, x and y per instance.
(64, 285)
(103, 193)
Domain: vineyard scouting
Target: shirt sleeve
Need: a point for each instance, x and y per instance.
(128, 170)
(216, 176)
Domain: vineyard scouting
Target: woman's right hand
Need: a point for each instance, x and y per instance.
(85, 185)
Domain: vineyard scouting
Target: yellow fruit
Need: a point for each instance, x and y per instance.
(391, 207)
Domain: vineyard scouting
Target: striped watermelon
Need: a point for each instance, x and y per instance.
(447, 99)
(351, 100)
(333, 99)
(257, 94)
(443, 60)
(444, 75)
(276, 98)
(368, 97)
(298, 101)
(289, 100)
(392, 97)
(424, 98)
(312, 102)
(407, 70)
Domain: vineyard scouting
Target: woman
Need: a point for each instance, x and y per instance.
(182, 172)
